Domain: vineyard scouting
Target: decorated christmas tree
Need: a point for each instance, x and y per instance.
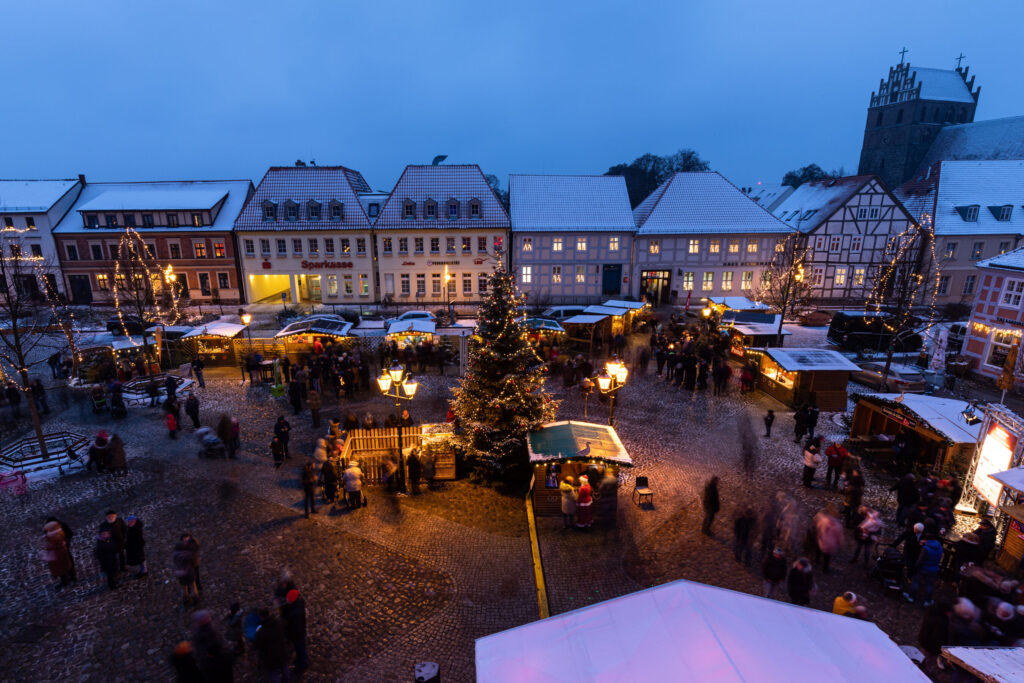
(501, 398)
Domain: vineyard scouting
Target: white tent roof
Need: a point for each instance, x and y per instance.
(686, 631)
(584, 319)
(739, 303)
(758, 329)
(1013, 479)
(619, 303)
(941, 414)
(604, 310)
(414, 325)
(215, 329)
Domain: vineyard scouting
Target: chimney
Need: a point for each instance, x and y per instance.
(81, 179)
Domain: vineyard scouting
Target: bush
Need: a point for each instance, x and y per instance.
(287, 315)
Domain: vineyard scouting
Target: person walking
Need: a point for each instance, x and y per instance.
(799, 423)
(926, 571)
(118, 457)
(812, 419)
(183, 565)
(415, 468)
(800, 583)
(353, 480)
(314, 403)
(295, 397)
(226, 434)
(193, 546)
(192, 409)
(294, 614)
(282, 430)
(773, 571)
(117, 529)
(711, 503)
(309, 489)
(68, 535)
(769, 420)
(812, 458)
(907, 496)
(828, 534)
(135, 547)
(867, 533)
(197, 371)
(330, 479)
(13, 394)
(107, 557)
(743, 536)
(271, 646)
(213, 655)
(568, 494)
(584, 501)
(170, 388)
(56, 554)
(172, 426)
(835, 455)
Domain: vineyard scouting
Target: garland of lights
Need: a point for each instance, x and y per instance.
(140, 258)
(911, 284)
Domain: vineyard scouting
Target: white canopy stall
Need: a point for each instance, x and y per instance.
(687, 631)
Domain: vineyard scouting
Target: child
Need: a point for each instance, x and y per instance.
(172, 426)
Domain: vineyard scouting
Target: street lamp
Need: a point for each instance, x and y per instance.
(610, 381)
(397, 384)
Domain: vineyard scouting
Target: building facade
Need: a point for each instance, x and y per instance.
(29, 210)
(439, 236)
(185, 225)
(571, 237)
(847, 225)
(699, 233)
(976, 210)
(304, 237)
(997, 315)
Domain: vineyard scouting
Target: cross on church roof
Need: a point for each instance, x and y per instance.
(959, 58)
(903, 52)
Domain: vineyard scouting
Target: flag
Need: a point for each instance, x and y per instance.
(1005, 381)
(688, 293)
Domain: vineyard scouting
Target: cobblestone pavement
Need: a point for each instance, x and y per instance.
(406, 579)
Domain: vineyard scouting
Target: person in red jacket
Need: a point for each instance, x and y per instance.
(837, 456)
(172, 426)
(584, 501)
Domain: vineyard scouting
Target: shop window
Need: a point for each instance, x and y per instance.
(346, 283)
(332, 285)
(364, 284)
(1002, 340)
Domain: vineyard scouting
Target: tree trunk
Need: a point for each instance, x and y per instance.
(34, 412)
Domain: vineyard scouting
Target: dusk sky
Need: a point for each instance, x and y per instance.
(216, 89)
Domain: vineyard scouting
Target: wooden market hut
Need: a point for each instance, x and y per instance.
(634, 310)
(406, 332)
(214, 342)
(617, 318)
(569, 448)
(1012, 551)
(798, 376)
(584, 328)
(300, 336)
(933, 425)
(544, 333)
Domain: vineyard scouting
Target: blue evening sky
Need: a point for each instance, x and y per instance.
(222, 89)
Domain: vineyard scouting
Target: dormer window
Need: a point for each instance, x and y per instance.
(129, 220)
(373, 210)
(409, 210)
(969, 213)
(430, 210)
(474, 208)
(291, 211)
(269, 211)
(453, 209)
(197, 220)
(1002, 213)
(808, 214)
(337, 210)
(92, 220)
(313, 210)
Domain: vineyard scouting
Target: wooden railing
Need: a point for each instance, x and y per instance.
(372, 447)
(62, 450)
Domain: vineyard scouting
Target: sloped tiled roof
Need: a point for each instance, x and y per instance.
(1011, 260)
(441, 183)
(822, 197)
(160, 195)
(300, 184)
(31, 196)
(702, 202)
(569, 202)
(994, 139)
(770, 196)
(942, 84)
(952, 184)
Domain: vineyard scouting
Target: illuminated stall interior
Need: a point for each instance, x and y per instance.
(214, 342)
(798, 376)
(301, 336)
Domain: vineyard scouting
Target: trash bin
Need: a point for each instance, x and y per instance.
(427, 672)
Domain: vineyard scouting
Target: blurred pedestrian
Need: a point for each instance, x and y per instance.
(314, 403)
(773, 571)
(743, 536)
(282, 430)
(56, 554)
(711, 503)
(107, 557)
(271, 646)
(769, 420)
(568, 493)
(118, 532)
(353, 479)
(183, 564)
(192, 409)
(309, 489)
(172, 426)
(294, 614)
(226, 434)
(800, 583)
(135, 547)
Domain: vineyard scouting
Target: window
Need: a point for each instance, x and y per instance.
(172, 220)
(977, 249)
(409, 210)
(526, 275)
(297, 246)
(727, 281)
(1002, 340)
(613, 244)
(364, 284)
(969, 284)
(862, 213)
(817, 275)
(111, 220)
(474, 209)
(91, 221)
(1012, 293)
(385, 243)
(1004, 247)
(218, 250)
(556, 275)
(969, 213)
(452, 284)
(467, 245)
(435, 284)
(714, 246)
(556, 244)
(840, 278)
(780, 246)
(282, 247)
(653, 247)
(332, 285)
(581, 274)
(269, 211)
(361, 246)
(835, 243)
(1004, 213)
(873, 213)
(421, 284)
(346, 245)
(337, 211)
(313, 210)
(329, 245)
(481, 245)
(855, 243)
(112, 248)
(751, 246)
(403, 245)
(346, 284)
(467, 283)
(943, 285)
(204, 284)
(197, 220)
(121, 281)
(950, 251)
(8, 222)
(708, 283)
(819, 243)
(175, 250)
(498, 242)
(694, 247)
(373, 209)
(291, 211)
(734, 246)
(687, 282)
(527, 244)
(314, 246)
(430, 210)
(858, 277)
(222, 281)
(581, 244)
(200, 249)
(435, 245)
(418, 242)
(102, 282)
(37, 250)
(15, 251)
(449, 245)
(72, 251)
(404, 283)
(481, 284)
(265, 247)
(250, 247)
(129, 220)
(453, 210)
(748, 280)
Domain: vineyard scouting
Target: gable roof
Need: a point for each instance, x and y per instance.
(569, 202)
(818, 200)
(942, 84)
(770, 196)
(301, 184)
(32, 196)
(441, 183)
(1011, 260)
(165, 195)
(958, 184)
(702, 202)
(994, 139)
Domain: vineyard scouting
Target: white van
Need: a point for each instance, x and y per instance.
(562, 312)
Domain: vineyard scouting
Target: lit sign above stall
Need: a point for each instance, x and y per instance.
(996, 452)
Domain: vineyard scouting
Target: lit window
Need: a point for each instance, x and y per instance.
(556, 244)
(687, 282)
(1002, 341)
(708, 283)
(346, 284)
(581, 244)
(977, 249)
(840, 278)
(613, 244)
(332, 285)
(346, 246)
(451, 284)
(734, 246)
(527, 244)
(218, 250)
(694, 247)
(526, 275)
(314, 246)
(556, 274)
(950, 251)
(653, 247)
(1012, 293)
(449, 245)
(121, 281)
(1004, 247)
(748, 280)
(780, 246)
(727, 281)
(403, 245)
(102, 282)
(581, 274)
(250, 248)
(499, 243)
(200, 249)
(197, 220)
(364, 284)
(751, 246)
(467, 245)
(858, 277)
(714, 246)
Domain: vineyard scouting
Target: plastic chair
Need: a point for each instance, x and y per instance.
(641, 491)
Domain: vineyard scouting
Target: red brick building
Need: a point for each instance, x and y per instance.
(997, 316)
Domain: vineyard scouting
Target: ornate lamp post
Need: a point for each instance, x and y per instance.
(397, 384)
(610, 381)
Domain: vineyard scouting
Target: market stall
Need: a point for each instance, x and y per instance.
(689, 631)
(214, 342)
(544, 334)
(720, 304)
(568, 448)
(798, 376)
(635, 310)
(584, 329)
(934, 431)
(1012, 505)
(763, 332)
(104, 358)
(411, 332)
(301, 336)
(616, 316)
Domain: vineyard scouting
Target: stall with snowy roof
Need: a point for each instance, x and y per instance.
(799, 376)
(584, 329)
(1012, 506)
(544, 334)
(570, 448)
(303, 336)
(214, 342)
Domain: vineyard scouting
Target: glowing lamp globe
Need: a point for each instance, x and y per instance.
(604, 381)
(384, 382)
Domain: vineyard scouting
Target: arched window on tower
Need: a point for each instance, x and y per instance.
(899, 116)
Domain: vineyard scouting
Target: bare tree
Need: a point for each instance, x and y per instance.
(784, 284)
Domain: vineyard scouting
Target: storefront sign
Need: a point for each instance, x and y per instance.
(996, 452)
(442, 263)
(478, 262)
(408, 263)
(320, 265)
(903, 420)
(266, 265)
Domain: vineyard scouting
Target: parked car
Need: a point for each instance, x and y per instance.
(412, 315)
(119, 324)
(817, 318)
(902, 378)
(868, 331)
(562, 312)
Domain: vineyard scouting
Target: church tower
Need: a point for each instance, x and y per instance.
(906, 114)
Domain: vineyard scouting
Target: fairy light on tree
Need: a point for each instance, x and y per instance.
(502, 397)
(784, 284)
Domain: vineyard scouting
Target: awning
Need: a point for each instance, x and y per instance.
(810, 360)
(688, 631)
(567, 440)
(215, 329)
(605, 310)
(584, 319)
(631, 305)
(1003, 664)
(542, 324)
(1013, 478)
(327, 326)
(412, 327)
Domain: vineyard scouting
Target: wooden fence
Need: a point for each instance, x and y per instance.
(63, 449)
(373, 447)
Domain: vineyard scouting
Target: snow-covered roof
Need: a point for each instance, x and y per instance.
(992, 139)
(542, 324)
(1011, 260)
(739, 303)
(604, 310)
(157, 196)
(942, 84)
(302, 184)
(759, 329)
(567, 439)
(215, 329)
(952, 186)
(584, 319)
(689, 631)
(413, 326)
(329, 325)
(941, 414)
(769, 196)
(620, 303)
(441, 183)
(32, 196)
(703, 203)
(569, 202)
(814, 202)
(810, 360)
(1013, 478)
(987, 662)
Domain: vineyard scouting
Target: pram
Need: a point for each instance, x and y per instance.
(209, 445)
(888, 567)
(117, 407)
(99, 400)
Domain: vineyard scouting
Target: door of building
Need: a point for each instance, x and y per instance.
(611, 281)
(314, 287)
(389, 283)
(81, 291)
(654, 285)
